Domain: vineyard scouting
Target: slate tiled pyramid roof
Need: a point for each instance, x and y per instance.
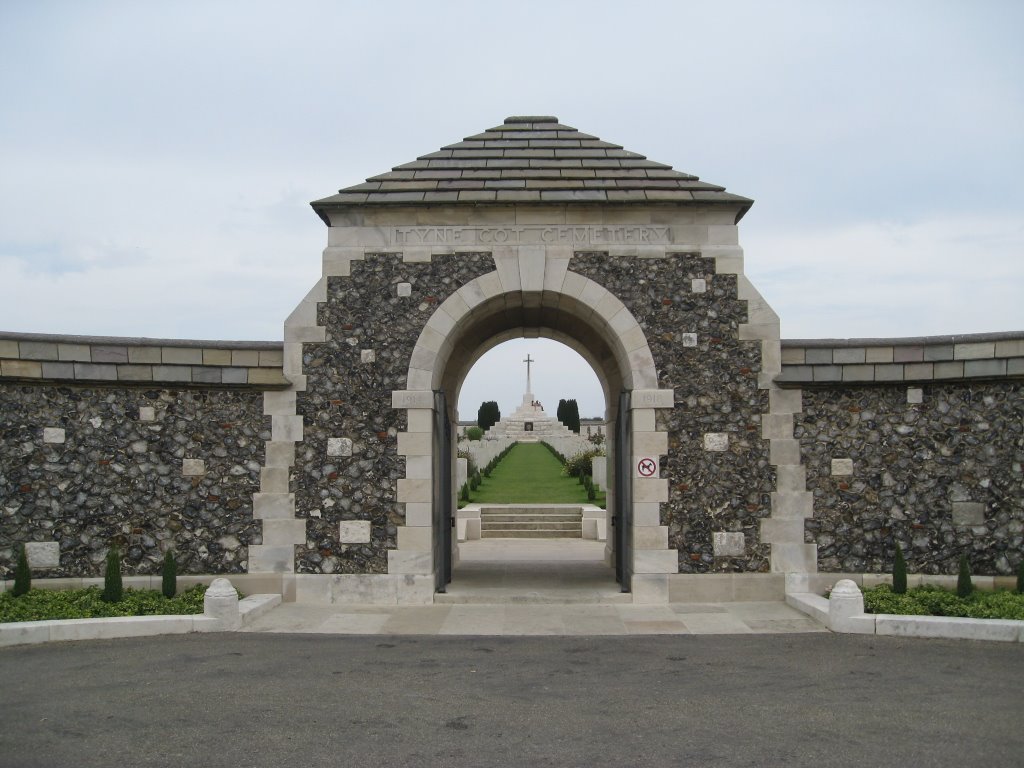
(532, 160)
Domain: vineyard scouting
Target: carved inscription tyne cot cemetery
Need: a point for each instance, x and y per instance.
(532, 235)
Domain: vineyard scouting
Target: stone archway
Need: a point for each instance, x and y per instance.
(532, 225)
(533, 290)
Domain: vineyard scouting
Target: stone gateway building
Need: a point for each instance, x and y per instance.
(740, 464)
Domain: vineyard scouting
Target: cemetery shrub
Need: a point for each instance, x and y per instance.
(22, 574)
(474, 433)
(930, 600)
(1020, 578)
(464, 493)
(113, 589)
(169, 575)
(964, 585)
(88, 603)
(899, 572)
(582, 463)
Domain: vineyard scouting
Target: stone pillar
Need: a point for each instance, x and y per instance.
(221, 603)
(846, 609)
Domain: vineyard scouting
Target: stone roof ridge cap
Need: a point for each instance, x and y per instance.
(530, 119)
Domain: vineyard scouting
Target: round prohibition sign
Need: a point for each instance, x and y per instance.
(647, 467)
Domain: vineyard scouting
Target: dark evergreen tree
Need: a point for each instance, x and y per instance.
(899, 572)
(964, 585)
(572, 415)
(560, 413)
(169, 575)
(113, 588)
(22, 574)
(488, 415)
(1020, 578)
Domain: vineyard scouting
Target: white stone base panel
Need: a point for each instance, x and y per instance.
(364, 589)
(725, 587)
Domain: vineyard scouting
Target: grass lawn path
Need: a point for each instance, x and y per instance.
(530, 474)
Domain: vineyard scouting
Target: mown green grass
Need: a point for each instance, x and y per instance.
(46, 604)
(530, 474)
(930, 600)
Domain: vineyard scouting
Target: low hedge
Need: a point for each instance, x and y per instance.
(48, 604)
(930, 600)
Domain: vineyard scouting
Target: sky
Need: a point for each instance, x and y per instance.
(157, 159)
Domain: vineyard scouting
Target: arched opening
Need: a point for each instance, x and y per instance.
(527, 531)
(582, 315)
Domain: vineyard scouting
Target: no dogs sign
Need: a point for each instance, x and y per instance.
(647, 466)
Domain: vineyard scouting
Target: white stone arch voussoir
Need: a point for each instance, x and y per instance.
(587, 302)
(583, 305)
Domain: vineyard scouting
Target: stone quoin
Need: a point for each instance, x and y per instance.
(322, 467)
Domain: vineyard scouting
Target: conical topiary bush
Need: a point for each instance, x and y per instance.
(22, 574)
(964, 585)
(899, 572)
(169, 575)
(113, 589)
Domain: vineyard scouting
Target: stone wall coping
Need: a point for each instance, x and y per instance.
(137, 361)
(903, 341)
(964, 357)
(139, 341)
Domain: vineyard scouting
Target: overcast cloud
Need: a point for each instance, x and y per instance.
(157, 160)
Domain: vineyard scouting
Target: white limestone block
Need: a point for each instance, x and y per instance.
(698, 285)
(842, 467)
(53, 435)
(915, 395)
(354, 532)
(716, 441)
(42, 554)
(404, 398)
(339, 446)
(367, 356)
(689, 339)
(655, 561)
(404, 289)
(273, 506)
(193, 467)
(728, 544)
(147, 413)
(286, 428)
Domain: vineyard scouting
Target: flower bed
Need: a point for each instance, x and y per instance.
(930, 600)
(48, 604)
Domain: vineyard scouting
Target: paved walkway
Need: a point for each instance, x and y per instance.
(536, 587)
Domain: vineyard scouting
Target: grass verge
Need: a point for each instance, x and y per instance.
(530, 474)
(930, 600)
(49, 604)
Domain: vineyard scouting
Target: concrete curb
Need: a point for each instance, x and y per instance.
(830, 613)
(32, 632)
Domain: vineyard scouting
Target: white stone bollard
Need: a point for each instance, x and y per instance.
(846, 609)
(221, 603)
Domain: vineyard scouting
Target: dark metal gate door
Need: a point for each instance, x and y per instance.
(623, 515)
(442, 493)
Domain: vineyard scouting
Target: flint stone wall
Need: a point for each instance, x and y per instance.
(941, 476)
(691, 317)
(371, 330)
(102, 474)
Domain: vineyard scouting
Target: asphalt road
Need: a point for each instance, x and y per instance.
(321, 700)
